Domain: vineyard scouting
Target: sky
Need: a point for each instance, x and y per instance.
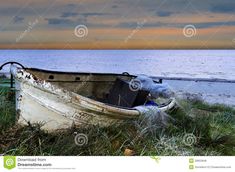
(117, 24)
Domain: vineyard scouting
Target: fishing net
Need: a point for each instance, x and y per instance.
(156, 89)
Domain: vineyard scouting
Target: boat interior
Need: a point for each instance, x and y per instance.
(107, 88)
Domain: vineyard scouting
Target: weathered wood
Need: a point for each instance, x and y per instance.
(40, 101)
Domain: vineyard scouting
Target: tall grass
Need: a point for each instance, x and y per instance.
(212, 125)
(7, 110)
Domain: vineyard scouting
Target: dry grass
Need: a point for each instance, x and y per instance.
(212, 126)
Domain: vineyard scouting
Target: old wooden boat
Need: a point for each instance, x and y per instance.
(59, 100)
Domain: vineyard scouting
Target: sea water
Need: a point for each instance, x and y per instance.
(168, 63)
(173, 63)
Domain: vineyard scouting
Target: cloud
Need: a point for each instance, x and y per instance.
(10, 11)
(164, 13)
(18, 19)
(214, 24)
(223, 8)
(59, 21)
(114, 6)
(136, 24)
(94, 14)
(83, 15)
(69, 14)
(68, 23)
(200, 25)
(71, 5)
(121, 15)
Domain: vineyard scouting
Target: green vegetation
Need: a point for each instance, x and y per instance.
(210, 128)
(7, 110)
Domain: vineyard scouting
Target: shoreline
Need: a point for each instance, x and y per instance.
(222, 92)
(212, 93)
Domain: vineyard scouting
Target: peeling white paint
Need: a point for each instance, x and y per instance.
(39, 101)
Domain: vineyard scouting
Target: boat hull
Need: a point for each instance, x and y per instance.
(54, 108)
